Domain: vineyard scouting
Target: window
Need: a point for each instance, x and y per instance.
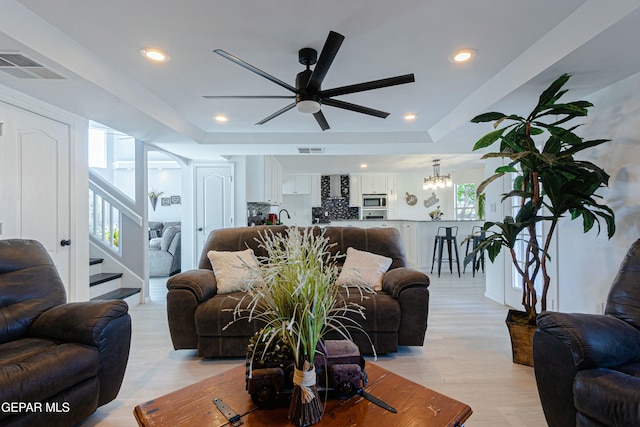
(466, 201)
(97, 148)
(112, 157)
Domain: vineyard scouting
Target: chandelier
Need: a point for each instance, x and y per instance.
(437, 181)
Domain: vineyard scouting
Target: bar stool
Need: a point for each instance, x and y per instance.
(477, 235)
(448, 235)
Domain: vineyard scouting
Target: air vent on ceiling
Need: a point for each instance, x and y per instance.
(310, 150)
(21, 67)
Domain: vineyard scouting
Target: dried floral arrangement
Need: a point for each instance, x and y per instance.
(299, 302)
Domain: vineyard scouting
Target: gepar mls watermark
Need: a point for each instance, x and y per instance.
(39, 407)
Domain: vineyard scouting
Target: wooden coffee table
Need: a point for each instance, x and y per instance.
(193, 405)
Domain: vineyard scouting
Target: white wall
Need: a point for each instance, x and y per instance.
(169, 181)
(588, 263)
(120, 165)
(299, 208)
(188, 258)
(499, 272)
(412, 183)
(240, 190)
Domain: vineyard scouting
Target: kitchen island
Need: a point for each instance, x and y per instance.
(418, 236)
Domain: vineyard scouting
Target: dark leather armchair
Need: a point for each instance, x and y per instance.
(61, 360)
(587, 366)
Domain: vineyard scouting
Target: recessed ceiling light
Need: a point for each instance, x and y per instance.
(462, 55)
(409, 116)
(221, 118)
(155, 55)
(364, 165)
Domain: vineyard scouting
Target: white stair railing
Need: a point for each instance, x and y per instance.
(104, 221)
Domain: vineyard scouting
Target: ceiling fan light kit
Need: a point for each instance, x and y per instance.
(307, 95)
(308, 106)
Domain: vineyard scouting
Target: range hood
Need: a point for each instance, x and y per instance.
(335, 192)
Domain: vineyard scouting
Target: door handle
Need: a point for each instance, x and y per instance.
(200, 229)
(65, 242)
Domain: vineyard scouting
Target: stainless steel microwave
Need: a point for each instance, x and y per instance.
(374, 201)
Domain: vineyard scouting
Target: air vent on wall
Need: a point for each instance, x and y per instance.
(310, 150)
(21, 67)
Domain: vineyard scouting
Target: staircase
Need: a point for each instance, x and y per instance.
(106, 286)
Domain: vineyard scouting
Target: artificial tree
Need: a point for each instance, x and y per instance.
(550, 182)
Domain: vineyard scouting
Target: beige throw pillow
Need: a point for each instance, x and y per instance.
(233, 270)
(363, 267)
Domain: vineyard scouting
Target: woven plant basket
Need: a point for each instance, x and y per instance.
(521, 333)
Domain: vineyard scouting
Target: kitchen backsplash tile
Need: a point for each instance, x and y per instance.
(335, 208)
(325, 186)
(257, 213)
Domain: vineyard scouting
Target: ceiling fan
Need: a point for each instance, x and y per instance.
(308, 96)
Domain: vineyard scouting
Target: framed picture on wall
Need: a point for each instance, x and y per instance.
(175, 200)
(165, 201)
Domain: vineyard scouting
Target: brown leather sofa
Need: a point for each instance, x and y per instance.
(58, 361)
(395, 316)
(587, 366)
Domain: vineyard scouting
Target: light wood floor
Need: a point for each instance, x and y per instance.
(466, 355)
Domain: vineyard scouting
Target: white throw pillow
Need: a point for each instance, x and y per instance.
(233, 270)
(363, 267)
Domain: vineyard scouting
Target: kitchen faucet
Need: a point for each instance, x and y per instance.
(286, 211)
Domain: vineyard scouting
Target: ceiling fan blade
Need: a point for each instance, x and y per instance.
(355, 107)
(328, 54)
(249, 97)
(277, 113)
(322, 121)
(374, 84)
(258, 71)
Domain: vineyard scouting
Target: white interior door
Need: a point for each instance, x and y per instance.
(37, 167)
(214, 201)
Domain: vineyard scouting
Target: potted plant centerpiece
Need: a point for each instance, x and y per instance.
(550, 183)
(153, 197)
(436, 214)
(298, 300)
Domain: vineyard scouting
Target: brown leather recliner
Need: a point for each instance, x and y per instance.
(58, 361)
(395, 316)
(587, 366)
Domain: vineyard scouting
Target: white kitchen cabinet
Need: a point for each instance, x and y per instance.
(374, 184)
(264, 180)
(289, 184)
(347, 223)
(296, 184)
(392, 197)
(316, 191)
(275, 171)
(355, 191)
(409, 233)
(373, 223)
